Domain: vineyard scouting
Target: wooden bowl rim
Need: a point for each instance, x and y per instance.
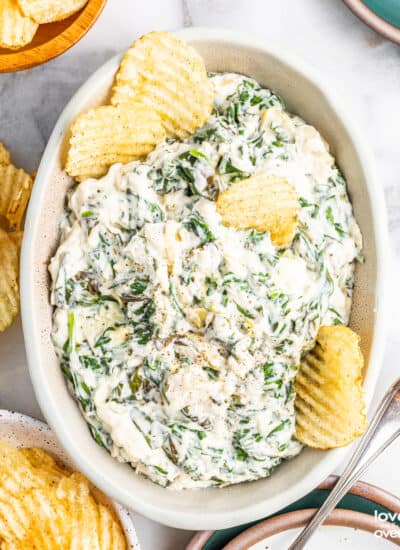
(18, 60)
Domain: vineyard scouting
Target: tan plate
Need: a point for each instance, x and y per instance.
(51, 39)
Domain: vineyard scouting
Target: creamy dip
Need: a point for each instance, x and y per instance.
(180, 338)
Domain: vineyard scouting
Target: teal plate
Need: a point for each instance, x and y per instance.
(381, 15)
(363, 497)
(389, 10)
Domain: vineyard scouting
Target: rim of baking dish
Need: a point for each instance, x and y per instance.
(187, 519)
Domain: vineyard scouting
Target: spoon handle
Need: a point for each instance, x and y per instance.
(382, 431)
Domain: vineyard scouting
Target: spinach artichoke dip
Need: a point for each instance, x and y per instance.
(181, 337)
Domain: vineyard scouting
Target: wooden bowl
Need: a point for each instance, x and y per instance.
(51, 39)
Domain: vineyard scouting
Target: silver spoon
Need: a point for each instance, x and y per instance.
(382, 431)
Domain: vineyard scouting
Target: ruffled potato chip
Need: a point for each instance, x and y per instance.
(169, 76)
(264, 202)
(47, 11)
(44, 464)
(81, 509)
(43, 506)
(5, 159)
(106, 135)
(46, 529)
(16, 237)
(4, 155)
(9, 294)
(15, 190)
(16, 30)
(329, 398)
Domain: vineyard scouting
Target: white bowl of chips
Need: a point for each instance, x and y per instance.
(306, 94)
(22, 431)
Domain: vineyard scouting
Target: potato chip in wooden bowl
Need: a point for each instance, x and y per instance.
(33, 32)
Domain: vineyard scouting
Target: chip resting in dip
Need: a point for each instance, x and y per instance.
(188, 285)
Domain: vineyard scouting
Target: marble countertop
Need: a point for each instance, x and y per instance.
(363, 68)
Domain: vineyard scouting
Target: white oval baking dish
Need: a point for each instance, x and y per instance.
(305, 93)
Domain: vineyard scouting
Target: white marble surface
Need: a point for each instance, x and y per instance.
(364, 69)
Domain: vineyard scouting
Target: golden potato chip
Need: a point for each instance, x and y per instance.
(169, 76)
(45, 464)
(16, 30)
(93, 172)
(4, 155)
(48, 528)
(43, 534)
(329, 398)
(15, 190)
(45, 507)
(15, 478)
(47, 11)
(118, 541)
(15, 468)
(264, 202)
(81, 508)
(4, 160)
(105, 528)
(106, 135)
(16, 237)
(38, 458)
(9, 295)
(14, 517)
(111, 535)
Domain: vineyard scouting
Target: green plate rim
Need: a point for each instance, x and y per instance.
(385, 10)
(363, 497)
(374, 20)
